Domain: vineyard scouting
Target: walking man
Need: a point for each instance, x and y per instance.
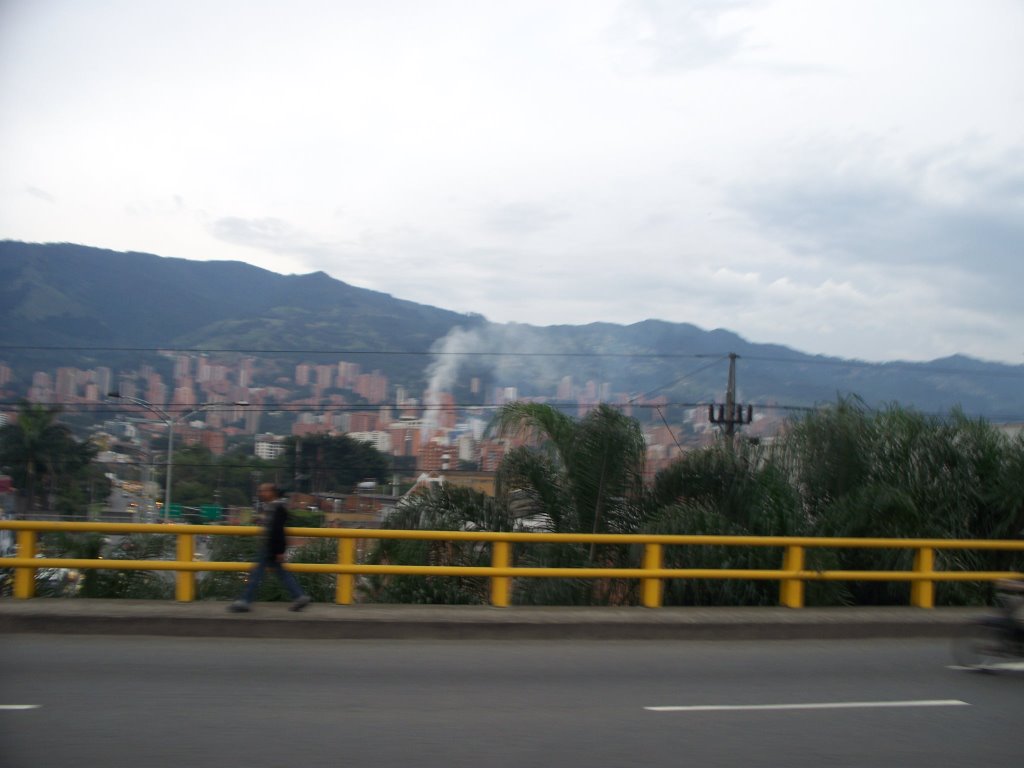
(275, 514)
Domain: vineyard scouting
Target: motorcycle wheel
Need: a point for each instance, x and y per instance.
(981, 647)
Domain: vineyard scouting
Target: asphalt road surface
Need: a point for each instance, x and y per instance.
(189, 703)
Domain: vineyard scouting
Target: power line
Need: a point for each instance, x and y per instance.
(85, 408)
(677, 381)
(291, 408)
(367, 352)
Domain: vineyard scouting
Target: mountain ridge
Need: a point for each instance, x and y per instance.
(88, 302)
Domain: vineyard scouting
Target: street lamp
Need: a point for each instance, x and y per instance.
(170, 421)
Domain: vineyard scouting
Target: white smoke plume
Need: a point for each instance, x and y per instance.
(500, 347)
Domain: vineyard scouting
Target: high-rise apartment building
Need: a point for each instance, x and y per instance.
(41, 390)
(246, 372)
(325, 375)
(103, 377)
(182, 366)
(269, 447)
(184, 395)
(504, 395)
(372, 386)
(347, 374)
(156, 392)
(362, 421)
(437, 457)
(126, 386)
(203, 368)
(66, 389)
(378, 439)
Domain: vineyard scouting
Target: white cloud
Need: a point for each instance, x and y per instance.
(667, 35)
(40, 194)
(843, 176)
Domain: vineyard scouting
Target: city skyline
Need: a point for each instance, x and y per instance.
(430, 429)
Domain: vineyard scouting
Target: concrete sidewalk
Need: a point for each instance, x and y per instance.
(328, 621)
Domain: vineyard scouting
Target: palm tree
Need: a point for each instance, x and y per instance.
(732, 488)
(573, 476)
(34, 445)
(582, 476)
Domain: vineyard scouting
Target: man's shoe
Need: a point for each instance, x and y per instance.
(300, 603)
(239, 606)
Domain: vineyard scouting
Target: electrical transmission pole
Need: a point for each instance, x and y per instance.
(732, 413)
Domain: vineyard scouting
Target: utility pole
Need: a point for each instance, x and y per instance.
(170, 420)
(732, 413)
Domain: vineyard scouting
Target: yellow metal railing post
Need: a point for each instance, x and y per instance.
(25, 578)
(653, 588)
(344, 590)
(922, 592)
(185, 581)
(791, 592)
(501, 557)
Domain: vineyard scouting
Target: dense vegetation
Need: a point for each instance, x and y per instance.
(56, 473)
(51, 468)
(842, 471)
(847, 470)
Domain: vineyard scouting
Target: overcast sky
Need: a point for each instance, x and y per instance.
(844, 177)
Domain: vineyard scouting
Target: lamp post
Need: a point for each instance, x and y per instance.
(170, 421)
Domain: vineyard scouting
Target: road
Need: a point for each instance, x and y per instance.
(140, 506)
(189, 703)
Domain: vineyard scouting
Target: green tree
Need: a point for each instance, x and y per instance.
(202, 478)
(238, 473)
(325, 463)
(195, 476)
(897, 473)
(113, 584)
(44, 456)
(573, 476)
(732, 488)
(581, 476)
(740, 480)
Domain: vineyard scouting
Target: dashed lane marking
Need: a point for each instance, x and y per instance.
(818, 705)
(1008, 666)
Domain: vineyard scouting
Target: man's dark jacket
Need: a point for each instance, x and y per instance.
(277, 518)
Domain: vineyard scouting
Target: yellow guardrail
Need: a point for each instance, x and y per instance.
(791, 576)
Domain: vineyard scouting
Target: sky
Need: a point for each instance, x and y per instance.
(843, 177)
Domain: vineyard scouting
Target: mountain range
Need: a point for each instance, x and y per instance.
(73, 305)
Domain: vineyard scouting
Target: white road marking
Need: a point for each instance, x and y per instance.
(821, 705)
(1010, 666)
(20, 706)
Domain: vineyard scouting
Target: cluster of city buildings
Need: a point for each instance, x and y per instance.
(218, 403)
